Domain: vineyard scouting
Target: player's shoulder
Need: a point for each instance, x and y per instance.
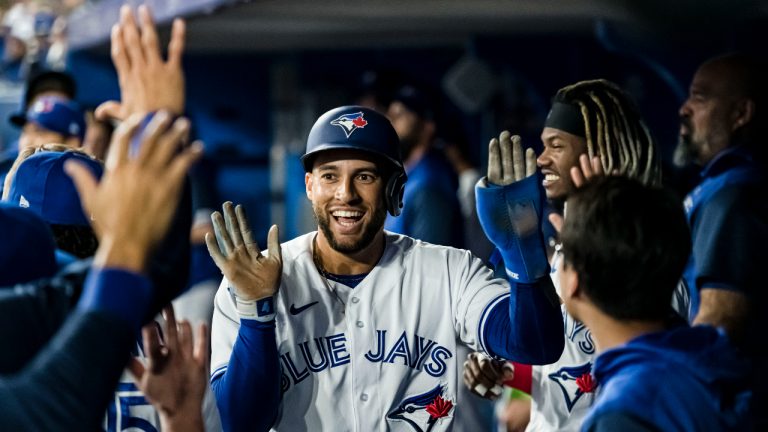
(410, 248)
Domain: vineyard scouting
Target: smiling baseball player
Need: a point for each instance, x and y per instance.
(352, 327)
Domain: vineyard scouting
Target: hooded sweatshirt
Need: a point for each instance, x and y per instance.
(683, 379)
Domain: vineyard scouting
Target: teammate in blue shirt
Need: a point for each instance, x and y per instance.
(624, 248)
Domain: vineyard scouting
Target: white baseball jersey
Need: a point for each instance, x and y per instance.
(377, 357)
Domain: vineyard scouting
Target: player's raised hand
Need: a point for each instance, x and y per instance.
(506, 161)
(587, 170)
(175, 377)
(132, 206)
(148, 83)
(483, 375)
(253, 275)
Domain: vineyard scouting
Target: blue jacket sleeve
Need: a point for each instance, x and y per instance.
(68, 385)
(248, 392)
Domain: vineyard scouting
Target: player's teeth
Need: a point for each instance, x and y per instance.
(340, 213)
(551, 177)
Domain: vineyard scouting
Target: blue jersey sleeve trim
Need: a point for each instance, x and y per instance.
(481, 329)
(117, 292)
(218, 372)
(526, 327)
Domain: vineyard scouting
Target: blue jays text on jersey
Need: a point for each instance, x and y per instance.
(321, 353)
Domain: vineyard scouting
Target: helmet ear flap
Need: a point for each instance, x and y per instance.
(394, 192)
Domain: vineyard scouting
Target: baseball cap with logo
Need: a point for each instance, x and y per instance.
(58, 115)
(41, 185)
(48, 81)
(27, 249)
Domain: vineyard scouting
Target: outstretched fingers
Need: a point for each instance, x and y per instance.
(149, 39)
(132, 38)
(232, 225)
(222, 236)
(494, 162)
(517, 159)
(273, 243)
(507, 159)
(245, 231)
(176, 44)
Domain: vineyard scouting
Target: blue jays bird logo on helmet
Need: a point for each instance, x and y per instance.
(350, 122)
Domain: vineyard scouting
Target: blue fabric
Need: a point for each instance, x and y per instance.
(58, 115)
(42, 185)
(69, 383)
(119, 293)
(683, 379)
(27, 248)
(714, 214)
(202, 267)
(349, 280)
(511, 218)
(526, 327)
(431, 210)
(254, 364)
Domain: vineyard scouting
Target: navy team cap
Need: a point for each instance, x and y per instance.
(41, 185)
(58, 115)
(27, 249)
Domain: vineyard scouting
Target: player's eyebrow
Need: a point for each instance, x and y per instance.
(328, 167)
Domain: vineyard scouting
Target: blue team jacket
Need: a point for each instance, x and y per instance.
(684, 379)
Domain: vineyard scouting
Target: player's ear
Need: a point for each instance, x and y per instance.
(569, 283)
(308, 184)
(743, 113)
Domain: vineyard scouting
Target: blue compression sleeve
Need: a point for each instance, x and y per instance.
(510, 216)
(119, 293)
(528, 327)
(248, 392)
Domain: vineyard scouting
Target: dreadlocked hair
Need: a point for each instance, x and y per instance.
(614, 130)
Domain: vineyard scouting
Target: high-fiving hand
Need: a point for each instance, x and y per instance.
(506, 162)
(147, 82)
(587, 170)
(175, 376)
(253, 275)
(132, 206)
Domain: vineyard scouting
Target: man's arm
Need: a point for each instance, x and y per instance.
(728, 238)
(70, 383)
(247, 388)
(723, 308)
(528, 328)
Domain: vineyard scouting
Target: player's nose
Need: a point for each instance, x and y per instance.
(346, 190)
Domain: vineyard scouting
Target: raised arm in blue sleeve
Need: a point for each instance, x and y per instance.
(248, 392)
(68, 385)
(526, 328)
(529, 329)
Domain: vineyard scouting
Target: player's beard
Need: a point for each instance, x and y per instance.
(369, 230)
(685, 152)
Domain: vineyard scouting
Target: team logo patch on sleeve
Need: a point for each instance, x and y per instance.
(350, 122)
(423, 411)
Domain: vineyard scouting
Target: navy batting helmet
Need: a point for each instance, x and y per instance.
(360, 128)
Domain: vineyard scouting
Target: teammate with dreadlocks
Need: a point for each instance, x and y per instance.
(592, 128)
